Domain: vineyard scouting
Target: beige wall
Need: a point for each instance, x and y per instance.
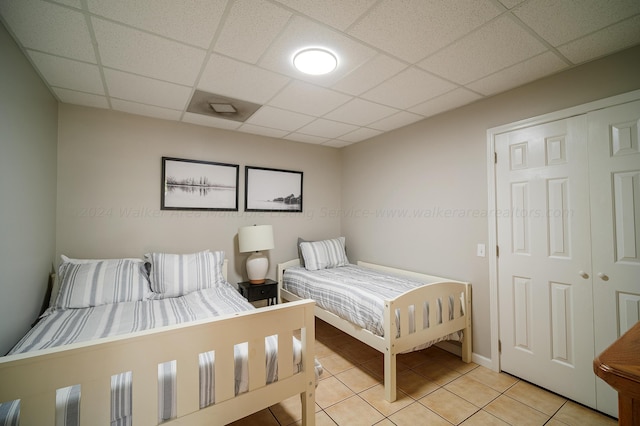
(28, 133)
(416, 198)
(109, 171)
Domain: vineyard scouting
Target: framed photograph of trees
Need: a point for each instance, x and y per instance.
(198, 185)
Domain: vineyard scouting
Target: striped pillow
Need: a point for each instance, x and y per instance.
(174, 275)
(98, 283)
(324, 254)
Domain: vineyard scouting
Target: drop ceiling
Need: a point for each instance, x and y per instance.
(400, 61)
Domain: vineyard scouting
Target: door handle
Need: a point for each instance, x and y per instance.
(583, 274)
(603, 276)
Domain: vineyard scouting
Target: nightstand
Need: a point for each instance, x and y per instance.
(267, 290)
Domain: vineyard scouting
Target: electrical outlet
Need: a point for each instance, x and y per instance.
(480, 250)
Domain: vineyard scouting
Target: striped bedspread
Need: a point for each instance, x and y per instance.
(354, 293)
(67, 326)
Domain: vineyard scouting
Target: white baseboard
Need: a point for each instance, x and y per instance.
(456, 349)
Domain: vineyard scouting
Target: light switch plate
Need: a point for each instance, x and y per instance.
(480, 250)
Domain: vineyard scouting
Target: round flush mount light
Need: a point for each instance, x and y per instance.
(315, 61)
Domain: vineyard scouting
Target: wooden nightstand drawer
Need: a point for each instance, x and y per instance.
(253, 292)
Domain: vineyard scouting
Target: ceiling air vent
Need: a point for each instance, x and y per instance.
(221, 106)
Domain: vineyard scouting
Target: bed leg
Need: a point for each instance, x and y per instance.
(389, 376)
(308, 407)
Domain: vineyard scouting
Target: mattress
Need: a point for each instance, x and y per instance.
(356, 294)
(62, 327)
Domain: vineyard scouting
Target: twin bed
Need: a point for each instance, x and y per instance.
(391, 310)
(122, 343)
(177, 344)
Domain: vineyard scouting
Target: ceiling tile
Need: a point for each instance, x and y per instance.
(359, 135)
(495, 46)
(308, 99)
(298, 137)
(276, 118)
(336, 143)
(227, 77)
(264, 131)
(403, 118)
(146, 90)
(337, 13)
(510, 4)
(250, 28)
(326, 128)
(446, 102)
(207, 120)
(360, 112)
(519, 74)
(78, 98)
(138, 52)
(370, 74)
(73, 3)
(68, 74)
(301, 33)
(49, 28)
(408, 88)
(147, 110)
(611, 39)
(561, 21)
(413, 29)
(190, 21)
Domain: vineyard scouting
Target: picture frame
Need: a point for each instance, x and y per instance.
(198, 185)
(272, 190)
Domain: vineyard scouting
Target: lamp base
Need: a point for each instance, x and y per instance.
(257, 267)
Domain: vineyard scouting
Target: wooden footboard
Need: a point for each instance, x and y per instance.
(411, 332)
(34, 377)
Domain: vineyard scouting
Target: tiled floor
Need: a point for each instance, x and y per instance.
(435, 388)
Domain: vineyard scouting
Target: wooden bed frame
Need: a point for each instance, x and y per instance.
(33, 377)
(391, 345)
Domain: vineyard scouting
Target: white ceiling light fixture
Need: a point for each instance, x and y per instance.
(315, 61)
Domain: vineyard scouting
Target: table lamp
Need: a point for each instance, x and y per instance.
(256, 238)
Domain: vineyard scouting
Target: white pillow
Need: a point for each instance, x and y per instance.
(99, 282)
(324, 254)
(174, 275)
(55, 288)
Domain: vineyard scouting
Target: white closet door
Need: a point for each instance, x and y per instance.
(614, 162)
(544, 263)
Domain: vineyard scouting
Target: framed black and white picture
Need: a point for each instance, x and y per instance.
(272, 190)
(198, 185)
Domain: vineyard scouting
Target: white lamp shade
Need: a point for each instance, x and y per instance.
(255, 238)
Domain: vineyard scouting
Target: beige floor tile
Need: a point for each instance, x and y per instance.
(331, 391)
(377, 366)
(375, 397)
(448, 405)
(354, 411)
(515, 412)
(498, 381)
(459, 365)
(335, 363)
(437, 373)
(322, 419)
(417, 414)
(362, 353)
(358, 379)
(261, 418)
(482, 418)
(289, 410)
(385, 422)
(535, 397)
(574, 414)
(415, 385)
(413, 359)
(473, 391)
